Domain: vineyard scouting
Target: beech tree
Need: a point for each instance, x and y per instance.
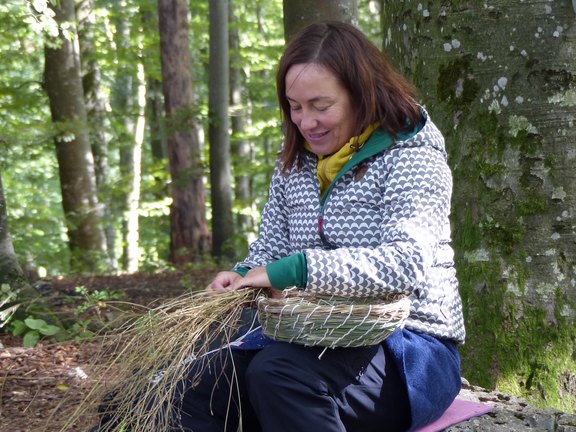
(301, 12)
(218, 130)
(127, 101)
(98, 123)
(239, 145)
(10, 271)
(63, 84)
(189, 234)
(500, 81)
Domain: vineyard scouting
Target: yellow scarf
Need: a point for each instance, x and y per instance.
(329, 166)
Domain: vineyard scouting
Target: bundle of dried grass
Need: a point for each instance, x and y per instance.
(331, 321)
(143, 363)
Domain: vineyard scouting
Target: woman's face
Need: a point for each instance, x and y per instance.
(320, 107)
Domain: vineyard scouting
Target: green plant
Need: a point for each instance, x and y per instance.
(32, 329)
(96, 299)
(80, 330)
(29, 327)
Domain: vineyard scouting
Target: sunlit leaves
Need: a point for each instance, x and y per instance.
(125, 33)
(40, 18)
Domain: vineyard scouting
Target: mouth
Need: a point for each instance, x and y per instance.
(315, 137)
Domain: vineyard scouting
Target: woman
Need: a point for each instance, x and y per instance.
(358, 206)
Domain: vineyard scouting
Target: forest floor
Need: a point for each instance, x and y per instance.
(41, 386)
(38, 384)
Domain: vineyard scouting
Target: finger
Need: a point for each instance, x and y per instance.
(217, 290)
(274, 293)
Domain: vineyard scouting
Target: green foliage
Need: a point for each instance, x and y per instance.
(32, 329)
(95, 299)
(533, 205)
(26, 155)
(88, 307)
(124, 35)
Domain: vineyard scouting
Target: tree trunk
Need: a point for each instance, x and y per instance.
(63, 84)
(10, 271)
(155, 110)
(126, 101)
(241, 148)
(218, 131)
(154, 101)
(189, 234)
(98, 123)
(500, 81)
(132, 220)
(298, 13)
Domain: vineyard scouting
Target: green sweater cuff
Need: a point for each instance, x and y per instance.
(288, 272)
(241, 271)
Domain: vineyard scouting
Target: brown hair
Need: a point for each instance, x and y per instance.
(377, 92)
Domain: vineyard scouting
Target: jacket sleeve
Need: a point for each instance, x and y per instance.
(273, 240)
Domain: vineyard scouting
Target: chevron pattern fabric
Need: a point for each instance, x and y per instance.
(388, 219)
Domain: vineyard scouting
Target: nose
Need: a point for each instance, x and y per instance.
(307, 120)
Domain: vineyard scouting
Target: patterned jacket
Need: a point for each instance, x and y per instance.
(381, 227)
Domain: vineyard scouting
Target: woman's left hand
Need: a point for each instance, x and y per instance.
(256, 277)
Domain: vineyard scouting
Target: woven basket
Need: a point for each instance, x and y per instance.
(330, 321)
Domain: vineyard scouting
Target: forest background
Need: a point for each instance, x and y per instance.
(138, 136)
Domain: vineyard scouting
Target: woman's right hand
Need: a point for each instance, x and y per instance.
(223, 282)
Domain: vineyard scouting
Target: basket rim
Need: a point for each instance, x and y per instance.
(302, 318)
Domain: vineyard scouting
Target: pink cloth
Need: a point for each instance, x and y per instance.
(459, 411)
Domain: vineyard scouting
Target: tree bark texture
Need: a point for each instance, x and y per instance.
(154, 99)
(218, 131)
(155, 119)
(95, 102)
(131, 219)
(63, 84)
(499, 78)
(241, 148)
(190, 238)
(298, 13)
(125, 100)
(10, 270)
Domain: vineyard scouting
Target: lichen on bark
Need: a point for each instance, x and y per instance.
(499, 79)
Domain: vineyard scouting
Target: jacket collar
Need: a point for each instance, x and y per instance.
(378, 142)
